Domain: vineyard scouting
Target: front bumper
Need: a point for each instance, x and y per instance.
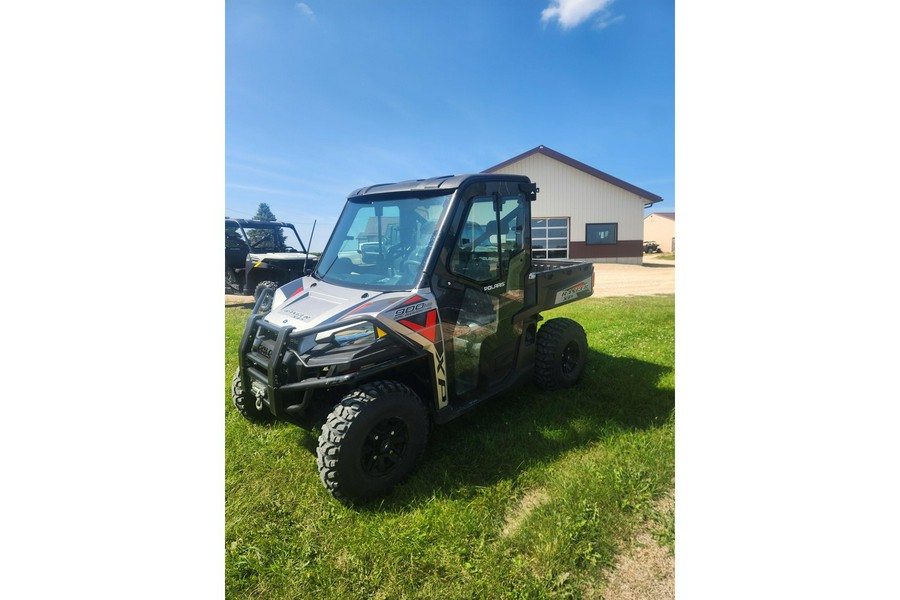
(274, 369)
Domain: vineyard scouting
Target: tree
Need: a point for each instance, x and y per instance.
(264, 213)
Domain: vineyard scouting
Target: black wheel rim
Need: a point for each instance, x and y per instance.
(570, 357)
(384, 446)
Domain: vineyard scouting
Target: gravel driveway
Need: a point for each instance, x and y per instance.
(655, 276)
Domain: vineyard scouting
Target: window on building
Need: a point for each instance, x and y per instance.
(550, 238)
(601, 233)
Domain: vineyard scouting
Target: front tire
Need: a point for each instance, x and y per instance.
(561, 354)
(263, 285)
(247, 404)
(232, 285)
(371, 441)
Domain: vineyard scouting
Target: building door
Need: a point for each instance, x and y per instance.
(550, 237)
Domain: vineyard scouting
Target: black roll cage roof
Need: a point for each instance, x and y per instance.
(256, 224)
(447, 183)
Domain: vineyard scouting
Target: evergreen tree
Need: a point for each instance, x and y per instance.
(264, 213)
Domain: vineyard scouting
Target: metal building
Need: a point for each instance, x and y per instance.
(660, 228)
(581, 212)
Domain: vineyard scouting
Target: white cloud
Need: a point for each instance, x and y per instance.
(571, 13)
(305, 9)
(605, 21)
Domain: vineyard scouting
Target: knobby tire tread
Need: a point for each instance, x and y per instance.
(546, 364)
(336, 428)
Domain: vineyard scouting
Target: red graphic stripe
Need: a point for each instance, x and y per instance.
(428, 330)
(357, 309)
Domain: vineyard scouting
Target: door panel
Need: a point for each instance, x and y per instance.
(484, 281)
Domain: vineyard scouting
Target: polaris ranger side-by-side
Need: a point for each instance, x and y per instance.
(425, 302)
(263, 254)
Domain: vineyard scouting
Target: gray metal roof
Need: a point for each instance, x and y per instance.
(651, 198)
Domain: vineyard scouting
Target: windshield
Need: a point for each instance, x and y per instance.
(382, 244)
(263, 238)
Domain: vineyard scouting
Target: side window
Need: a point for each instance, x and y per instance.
(492, 233)
(476, 254)
(512, 213)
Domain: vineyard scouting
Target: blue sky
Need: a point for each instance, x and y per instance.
(324, 97)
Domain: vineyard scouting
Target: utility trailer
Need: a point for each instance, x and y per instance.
(425, 303)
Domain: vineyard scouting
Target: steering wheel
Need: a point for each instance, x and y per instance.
(394, 254)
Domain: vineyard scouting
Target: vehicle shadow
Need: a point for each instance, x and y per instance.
(528, 426)
(657, 265)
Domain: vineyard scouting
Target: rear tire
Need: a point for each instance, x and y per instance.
(371, 441)
(247, 404)
(561, 354)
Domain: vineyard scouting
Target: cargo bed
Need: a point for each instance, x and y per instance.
(558, 282)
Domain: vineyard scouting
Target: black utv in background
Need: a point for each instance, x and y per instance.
(263, 254)
(652, 247)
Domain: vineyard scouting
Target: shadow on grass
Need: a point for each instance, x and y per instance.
(527, 426)
(240, 304)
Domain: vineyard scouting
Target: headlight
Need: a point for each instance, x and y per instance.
(356, 334)
(363, 333)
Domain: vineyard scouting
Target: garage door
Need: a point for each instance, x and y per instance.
(550, 237)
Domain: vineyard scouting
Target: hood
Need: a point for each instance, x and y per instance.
(306, 303)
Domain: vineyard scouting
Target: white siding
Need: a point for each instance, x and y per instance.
(569, 192)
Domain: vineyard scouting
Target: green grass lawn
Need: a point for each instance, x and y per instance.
(528, 496)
